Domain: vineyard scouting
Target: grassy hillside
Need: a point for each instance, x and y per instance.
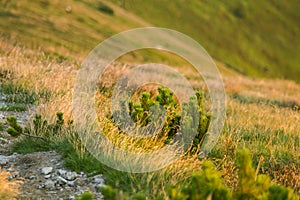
(63, 27)
(262, 114)
(258, 38)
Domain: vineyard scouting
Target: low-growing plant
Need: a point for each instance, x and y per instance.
(208, 184)
(41, 129)
(140, 111)
(85, 196)
(110, 193)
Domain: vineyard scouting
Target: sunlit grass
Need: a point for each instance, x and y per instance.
(269, 131)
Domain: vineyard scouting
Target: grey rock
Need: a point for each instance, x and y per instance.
(4, 160)
(46, 170)
(47, 176)
(71, 197)
(71, 183)
(98, 179)
(61, 181)
(61, 172)
(40, 186)
(49, 184)
(70, 176)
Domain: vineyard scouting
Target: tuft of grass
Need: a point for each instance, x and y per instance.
(29, 145)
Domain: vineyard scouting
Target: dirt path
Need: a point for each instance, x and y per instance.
(42, 173)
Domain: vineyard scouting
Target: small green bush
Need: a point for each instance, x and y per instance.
(175, 121)
(208, 184)
(85, 196)
(14, 129)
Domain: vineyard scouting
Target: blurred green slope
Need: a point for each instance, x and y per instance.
(259, 38)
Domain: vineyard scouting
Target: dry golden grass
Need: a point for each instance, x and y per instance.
(9, 190)
(269, 131)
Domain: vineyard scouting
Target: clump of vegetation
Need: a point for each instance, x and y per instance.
(208, 184)
(110, 193)
(41, 129)
(175, 120)
(85, 196)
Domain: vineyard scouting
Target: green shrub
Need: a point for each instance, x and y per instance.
(204, 185)
(208, 184)
(140, 112)
(85, 196)
(14, 129)
(109, 193)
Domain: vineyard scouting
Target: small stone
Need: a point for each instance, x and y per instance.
(3, 160)
(61, 172)
(61, 180)
(40, 186)
(49, 184)
(46, 170)
(31, 177)
(71, 183)
(98, 179)
(70, 176)
(71, 197)
(47, 176)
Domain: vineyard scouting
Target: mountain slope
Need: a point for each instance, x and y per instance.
(61, 27)
(253, 38)
(260, 38)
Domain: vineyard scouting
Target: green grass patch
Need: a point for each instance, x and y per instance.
(30, 145)
(14, 107)
(19, 94)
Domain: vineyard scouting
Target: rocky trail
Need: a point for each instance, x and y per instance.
(42, 174)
